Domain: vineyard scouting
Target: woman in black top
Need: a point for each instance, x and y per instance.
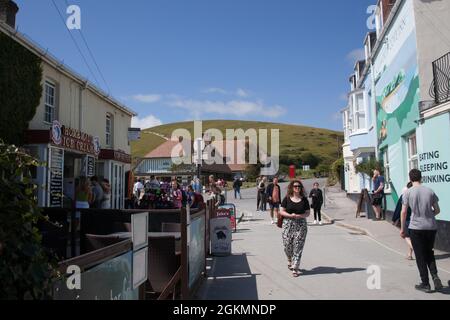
(317, 201)
(295, 210)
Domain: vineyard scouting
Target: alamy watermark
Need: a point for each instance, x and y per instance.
(374, 280)
(210, 147)
(73, 22)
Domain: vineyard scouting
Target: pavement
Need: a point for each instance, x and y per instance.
(344, 259)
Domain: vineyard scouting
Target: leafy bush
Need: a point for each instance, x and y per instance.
(368, 166)
(25, 269)
(20, 87)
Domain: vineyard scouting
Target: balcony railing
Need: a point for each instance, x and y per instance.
(440, 88)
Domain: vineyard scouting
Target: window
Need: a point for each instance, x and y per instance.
(413, 162)
(358, 113)
(387, 174)
(49, 102)
(108, 130)
(346, 124)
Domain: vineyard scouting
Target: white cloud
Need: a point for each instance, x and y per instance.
(238, 108)
(147, 98)
(356, 55)
(145, 123)
(242, 93)
(215, 90)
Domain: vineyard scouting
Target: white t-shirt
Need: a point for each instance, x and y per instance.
(138, 186)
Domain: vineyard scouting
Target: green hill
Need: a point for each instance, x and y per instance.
(296, 142)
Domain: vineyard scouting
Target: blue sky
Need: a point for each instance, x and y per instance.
(282, 61)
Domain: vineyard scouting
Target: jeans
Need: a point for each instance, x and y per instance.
(263, 203)
(237, 191)
(423, 244)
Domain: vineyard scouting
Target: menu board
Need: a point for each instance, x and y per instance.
(90, 166)
(55, 183)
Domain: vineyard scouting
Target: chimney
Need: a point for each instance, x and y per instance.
(8, 11)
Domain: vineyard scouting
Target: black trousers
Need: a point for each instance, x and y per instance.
(423, 245)
(317, 213)
(258, 200)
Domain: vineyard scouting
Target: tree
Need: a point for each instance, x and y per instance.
(26, 272)
(310, 159)
(20, 89)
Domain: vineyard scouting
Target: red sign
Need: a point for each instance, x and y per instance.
(228, 211)
(117, 155)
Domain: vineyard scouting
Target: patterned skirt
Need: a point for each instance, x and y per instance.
(294, 236)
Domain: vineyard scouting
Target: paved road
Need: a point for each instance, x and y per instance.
(335, 265)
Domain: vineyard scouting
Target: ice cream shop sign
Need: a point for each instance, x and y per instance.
(73, 139)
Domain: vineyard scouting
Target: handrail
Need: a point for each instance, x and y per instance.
(96, 257)
(170, 287)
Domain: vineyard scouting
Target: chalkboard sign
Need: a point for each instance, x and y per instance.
(55, 185)
(90, 166)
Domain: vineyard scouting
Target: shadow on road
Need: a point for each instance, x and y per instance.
(442, 256)
(328, 270)
(230, 279)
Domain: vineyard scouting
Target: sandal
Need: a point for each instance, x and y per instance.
(289, 265)
(296, 273)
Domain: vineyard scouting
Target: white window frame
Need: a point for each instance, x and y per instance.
(411, 147)
(356, 110)
(379, 19)
(49, 108)
(108, 130)
(387, 172)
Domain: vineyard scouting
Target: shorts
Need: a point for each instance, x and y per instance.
(377, 202)
(274, 205)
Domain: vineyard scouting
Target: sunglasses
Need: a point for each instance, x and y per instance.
(297, 186)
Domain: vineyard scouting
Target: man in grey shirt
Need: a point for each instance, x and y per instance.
(424, 206)
(97, 193)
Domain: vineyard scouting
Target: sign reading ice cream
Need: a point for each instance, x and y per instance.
(73, 139)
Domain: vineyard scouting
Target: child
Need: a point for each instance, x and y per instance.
(317, 201)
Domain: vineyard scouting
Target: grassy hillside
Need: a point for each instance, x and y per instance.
(295, 141)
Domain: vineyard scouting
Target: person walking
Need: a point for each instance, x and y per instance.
(396, 218)
(258, 194)
(295, 210)
(273, 194)
(106, 187)
(378, 193)
(424, 205)
(262, 197)
(137, 189)
(97, 193)
(237, 184)
(317, 202)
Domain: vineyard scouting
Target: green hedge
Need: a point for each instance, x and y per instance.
(20, 89)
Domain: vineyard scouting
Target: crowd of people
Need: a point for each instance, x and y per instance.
(166, 194)
(90, 193)
(416, 214)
